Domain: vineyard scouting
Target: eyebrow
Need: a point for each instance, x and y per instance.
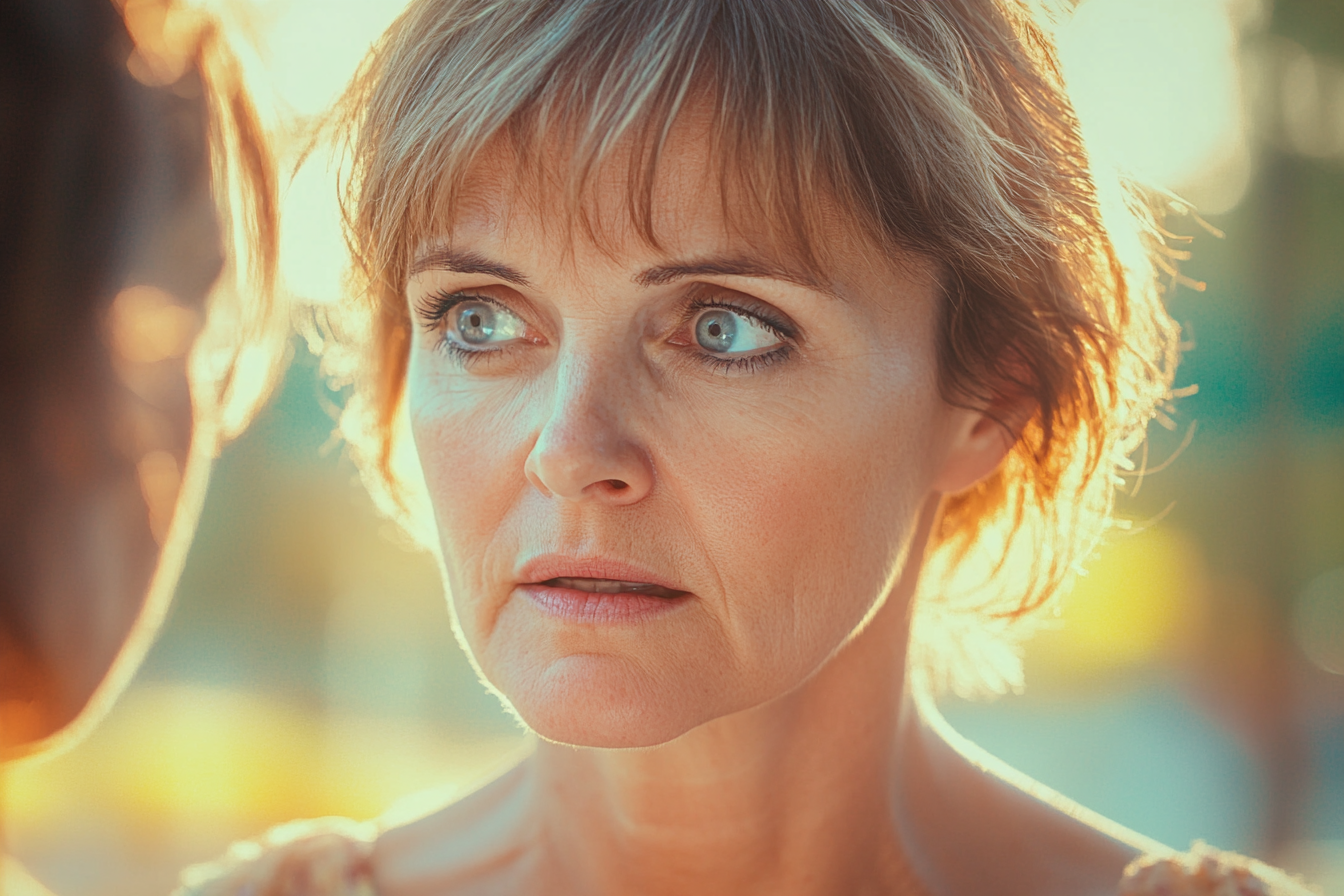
(660, 275)
(467, 263)
(731, 267)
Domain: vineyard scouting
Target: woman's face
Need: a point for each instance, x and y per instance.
(669, 482)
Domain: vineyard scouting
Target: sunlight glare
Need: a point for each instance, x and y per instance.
(313, 255)
(310, 51)
(1157, 87)
(1125, 611)
(296, 57)
(314, 46)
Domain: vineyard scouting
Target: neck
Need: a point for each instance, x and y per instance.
(793, 796)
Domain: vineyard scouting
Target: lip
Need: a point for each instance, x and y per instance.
(590, 607)
(556, 566)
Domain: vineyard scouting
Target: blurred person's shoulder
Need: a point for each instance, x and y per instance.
(1205, 871)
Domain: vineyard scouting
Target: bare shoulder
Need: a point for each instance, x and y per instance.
(1029, 840)
(480, 844)
(975, 825)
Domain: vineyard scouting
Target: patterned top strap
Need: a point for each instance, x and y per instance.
(1205, 871)
(317, 857)
(329, 857)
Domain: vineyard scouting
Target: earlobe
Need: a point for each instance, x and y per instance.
(980, 440)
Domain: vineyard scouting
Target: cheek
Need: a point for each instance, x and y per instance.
(472, 447)
(804, 503)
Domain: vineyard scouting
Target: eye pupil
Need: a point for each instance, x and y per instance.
(476, 324)
(716, 331)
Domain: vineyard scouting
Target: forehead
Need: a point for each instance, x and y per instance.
(631, 203)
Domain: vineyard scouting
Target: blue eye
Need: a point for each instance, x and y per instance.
(724, 331)
(478, 323)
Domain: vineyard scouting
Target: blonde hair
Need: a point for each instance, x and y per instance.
(941, 129)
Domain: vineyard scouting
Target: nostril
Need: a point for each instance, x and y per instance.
(617, 484)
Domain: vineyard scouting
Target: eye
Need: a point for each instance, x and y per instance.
(723, 330)
(472, 323)
(479, 323)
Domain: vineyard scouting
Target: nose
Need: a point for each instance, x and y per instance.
(584, 451)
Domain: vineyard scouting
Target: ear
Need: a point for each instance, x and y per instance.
(979, 442)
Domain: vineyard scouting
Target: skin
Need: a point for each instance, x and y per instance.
(761, 736)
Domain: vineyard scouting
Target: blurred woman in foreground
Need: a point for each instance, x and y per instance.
(110, 243)
(765, 364)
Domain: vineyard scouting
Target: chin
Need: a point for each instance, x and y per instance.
(605, 702)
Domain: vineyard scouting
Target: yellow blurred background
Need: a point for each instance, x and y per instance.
(1193, 685)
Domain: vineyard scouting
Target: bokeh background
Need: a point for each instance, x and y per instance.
(1192, 687)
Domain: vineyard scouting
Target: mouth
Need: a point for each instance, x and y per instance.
(596, 590)
(612, 586)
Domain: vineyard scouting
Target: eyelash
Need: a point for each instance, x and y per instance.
(436, 308)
